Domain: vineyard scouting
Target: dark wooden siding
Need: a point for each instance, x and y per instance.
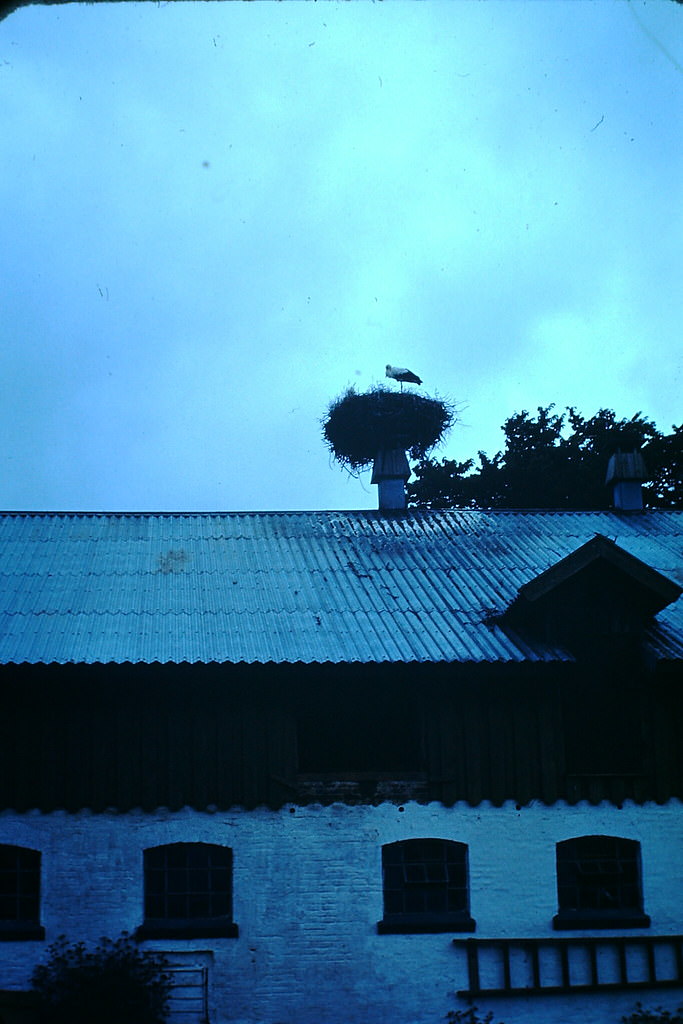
(131, 737)
(509, 735)
(150, 736)
(495, 739)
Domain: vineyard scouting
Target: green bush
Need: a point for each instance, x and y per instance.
(656, 1016)
(469, 1016)
(113, 983)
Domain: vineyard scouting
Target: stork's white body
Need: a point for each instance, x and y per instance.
(400, 373)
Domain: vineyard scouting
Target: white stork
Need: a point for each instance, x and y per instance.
(401, 374)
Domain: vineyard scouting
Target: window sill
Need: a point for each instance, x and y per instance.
(181, 929)
(11, 931)
(408, 924)
(573, 921)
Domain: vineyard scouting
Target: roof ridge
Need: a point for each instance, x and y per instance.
(375, 513)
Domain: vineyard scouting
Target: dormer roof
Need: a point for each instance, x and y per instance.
(602, 557)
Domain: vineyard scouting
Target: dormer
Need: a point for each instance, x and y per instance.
(598, 593)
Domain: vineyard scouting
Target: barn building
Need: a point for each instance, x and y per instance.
(349, 767)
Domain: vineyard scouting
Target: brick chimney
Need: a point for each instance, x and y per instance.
(390, 472)
(626, 473)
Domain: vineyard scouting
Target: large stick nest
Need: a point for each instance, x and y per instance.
(360, 425)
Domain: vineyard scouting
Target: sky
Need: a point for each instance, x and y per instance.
(217, 217)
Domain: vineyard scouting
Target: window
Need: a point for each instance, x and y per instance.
(20, 894)
(188, 891)
(425, 887)
(598, 884)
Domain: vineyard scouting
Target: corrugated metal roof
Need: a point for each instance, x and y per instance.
(297, 587)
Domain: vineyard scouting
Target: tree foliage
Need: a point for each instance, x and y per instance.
(554, 460)
(657, 1016)
(114, 982)
(469, 1016)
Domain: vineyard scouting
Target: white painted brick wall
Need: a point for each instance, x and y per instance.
(308, 895)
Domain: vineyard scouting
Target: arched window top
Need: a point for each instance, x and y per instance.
(427, 846)
(19, 893)
(6, 848)
(599, 883)
(425, 886)
(598, 843)
(188, 891)
(183, 852)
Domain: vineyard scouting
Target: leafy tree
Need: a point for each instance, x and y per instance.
(554, 460)
(114, 982)
(469, 1016)
(658, 1016)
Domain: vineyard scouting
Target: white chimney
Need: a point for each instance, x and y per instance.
(626, 473)
(390, 472)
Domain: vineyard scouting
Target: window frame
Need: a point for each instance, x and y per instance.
(160, 860)
(28, 862)
(403, 857)
(581, 855)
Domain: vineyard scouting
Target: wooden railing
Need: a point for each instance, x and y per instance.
(576, 964)
(189, 998)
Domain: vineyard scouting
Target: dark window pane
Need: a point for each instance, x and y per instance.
(457, 875)
(19, 884)
(28, 908)
(220, 880)
(436, 872)
(630, 896)
(198, 906)
(8, 858)
(8, 883)
(196, 856)
(29, 882)
(415, 873)
(457, 900)
(392, 854)
(220, 905)
(8, 908)
(155, 906)
(393, 903)
(436, 900)
(176, 881)
(220, 856)
(156, 857)
(430, 849)
(176, 906)
(599, 873)
(155, 881)
(414, 901)
(393, 877)
(176, 855)
(425, 876)
(187, 881)
(198, 881)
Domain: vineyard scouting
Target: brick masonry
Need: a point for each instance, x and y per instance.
(308, 895)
